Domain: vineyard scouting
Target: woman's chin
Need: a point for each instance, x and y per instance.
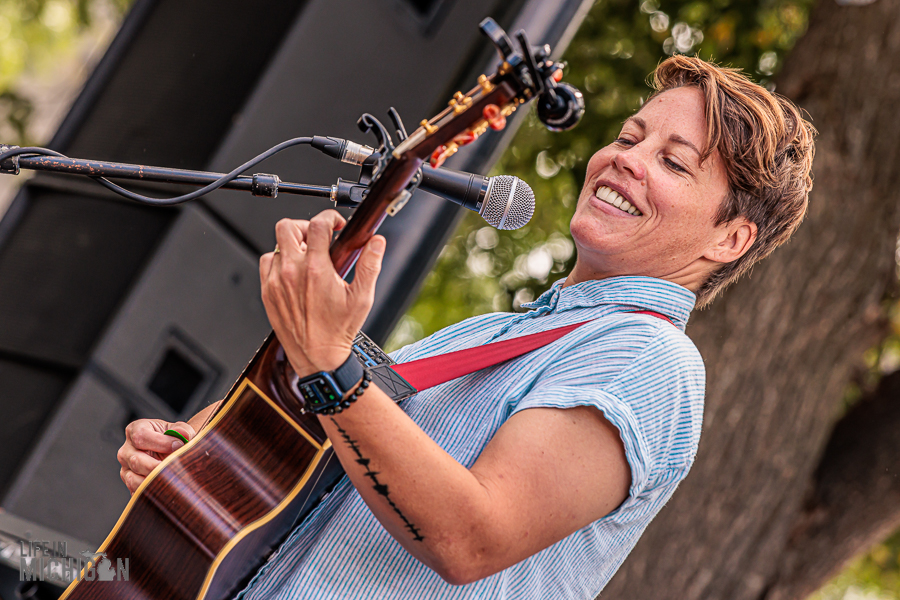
(591, 236)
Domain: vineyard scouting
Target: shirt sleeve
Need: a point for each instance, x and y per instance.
(653, 396)
(618, 413)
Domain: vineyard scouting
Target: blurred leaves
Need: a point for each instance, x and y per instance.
(875, 576)
(17, 110)
(617, 47)
(34, 34)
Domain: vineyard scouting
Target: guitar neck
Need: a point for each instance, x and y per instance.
(371, 213)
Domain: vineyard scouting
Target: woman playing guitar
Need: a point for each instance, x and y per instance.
(535, 478)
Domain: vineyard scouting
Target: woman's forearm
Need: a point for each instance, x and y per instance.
(428, 501)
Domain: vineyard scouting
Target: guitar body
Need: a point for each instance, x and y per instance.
(205, 520)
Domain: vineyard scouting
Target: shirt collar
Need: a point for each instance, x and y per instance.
(634, 292)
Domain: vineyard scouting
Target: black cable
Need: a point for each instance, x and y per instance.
(176, 199)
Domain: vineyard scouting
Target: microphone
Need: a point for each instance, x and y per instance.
(504, 201)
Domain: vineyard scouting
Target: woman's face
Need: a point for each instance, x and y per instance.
(667, 200)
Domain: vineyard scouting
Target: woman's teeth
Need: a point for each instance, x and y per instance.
(611, 196)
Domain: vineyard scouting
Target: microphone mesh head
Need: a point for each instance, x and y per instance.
(510, 203)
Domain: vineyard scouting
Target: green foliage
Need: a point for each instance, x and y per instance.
(34, 34)
(875, 576)
(617, 47)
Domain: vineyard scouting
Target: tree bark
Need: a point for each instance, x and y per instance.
(855, 501)
(781, 345)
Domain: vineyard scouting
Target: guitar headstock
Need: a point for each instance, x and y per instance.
(523, 75)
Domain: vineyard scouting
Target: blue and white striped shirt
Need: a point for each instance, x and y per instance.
(644, 375)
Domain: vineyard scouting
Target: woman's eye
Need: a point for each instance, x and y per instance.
(675, 166)
(624, 142)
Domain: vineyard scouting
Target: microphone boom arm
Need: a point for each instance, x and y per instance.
(259, 184)
(465, 189)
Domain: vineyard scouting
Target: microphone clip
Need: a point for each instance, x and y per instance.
(368, 123)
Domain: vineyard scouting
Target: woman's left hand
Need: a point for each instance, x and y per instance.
(314, 312)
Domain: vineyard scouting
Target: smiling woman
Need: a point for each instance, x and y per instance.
(649, 202)
(536, 477)
(766, 148)
(709, 177)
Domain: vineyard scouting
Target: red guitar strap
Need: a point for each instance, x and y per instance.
(435, 370)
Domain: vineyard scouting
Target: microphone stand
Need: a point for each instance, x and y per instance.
(344, 194)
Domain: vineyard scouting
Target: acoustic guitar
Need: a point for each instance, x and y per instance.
(209, 515)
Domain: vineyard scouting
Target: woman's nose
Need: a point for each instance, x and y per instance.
(628, 160)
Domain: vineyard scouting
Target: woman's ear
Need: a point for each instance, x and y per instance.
(734, 240)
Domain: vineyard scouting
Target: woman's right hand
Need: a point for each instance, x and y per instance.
(146, 445)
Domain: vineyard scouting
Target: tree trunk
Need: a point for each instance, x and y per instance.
(781, 346)
(855, 501)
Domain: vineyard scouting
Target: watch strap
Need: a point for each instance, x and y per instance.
(348, 374)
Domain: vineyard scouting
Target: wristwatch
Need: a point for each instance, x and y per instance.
(323, 392)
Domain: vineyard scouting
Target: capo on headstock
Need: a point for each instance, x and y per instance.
(525, 73)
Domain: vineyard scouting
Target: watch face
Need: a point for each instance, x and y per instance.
(320, 392)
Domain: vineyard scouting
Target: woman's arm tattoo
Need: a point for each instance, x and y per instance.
(379, 487)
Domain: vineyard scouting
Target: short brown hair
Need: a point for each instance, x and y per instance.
(767, 149)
